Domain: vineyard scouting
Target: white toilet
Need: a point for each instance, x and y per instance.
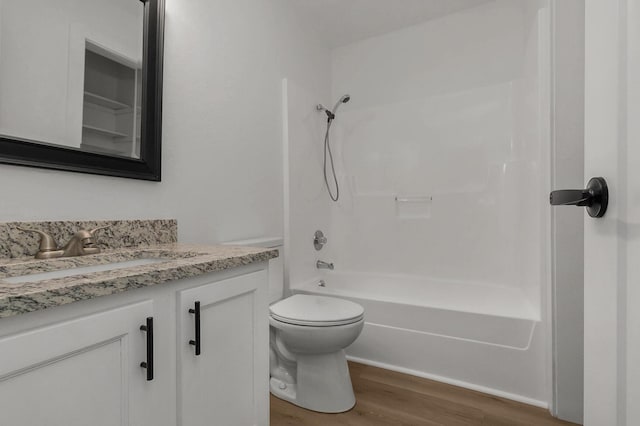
(307, 362)
(308, 335)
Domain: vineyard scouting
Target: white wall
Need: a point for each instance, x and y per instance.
(222, 157)
(449, 109)
(42, 45)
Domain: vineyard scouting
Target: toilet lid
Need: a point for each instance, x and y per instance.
(303, 309)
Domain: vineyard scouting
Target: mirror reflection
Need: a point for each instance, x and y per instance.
(70, 73)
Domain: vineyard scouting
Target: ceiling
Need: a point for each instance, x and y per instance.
(345, 21)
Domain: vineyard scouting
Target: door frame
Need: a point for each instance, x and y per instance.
(612, 244)
(566, 275)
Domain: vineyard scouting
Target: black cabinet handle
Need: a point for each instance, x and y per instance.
(196, 342)
(595, 197)
(148, 328)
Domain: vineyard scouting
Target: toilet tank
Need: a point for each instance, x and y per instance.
(276, 266)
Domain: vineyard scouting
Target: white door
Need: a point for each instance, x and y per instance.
(612, 243)
(78, 373)
(226, 381)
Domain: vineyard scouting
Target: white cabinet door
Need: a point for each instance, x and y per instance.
(81, 372)
(227, 384)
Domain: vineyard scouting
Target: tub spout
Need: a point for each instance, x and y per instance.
(324, 265)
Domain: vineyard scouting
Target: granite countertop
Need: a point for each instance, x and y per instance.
(182, 261)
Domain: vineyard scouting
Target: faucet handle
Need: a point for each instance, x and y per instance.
(99, 228)
(47, 242)
(319, 240)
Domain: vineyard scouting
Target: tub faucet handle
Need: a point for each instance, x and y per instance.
(319, 240)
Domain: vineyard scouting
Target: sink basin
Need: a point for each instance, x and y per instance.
(80, 271)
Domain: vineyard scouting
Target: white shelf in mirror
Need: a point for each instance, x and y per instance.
(112, 110)
(104, 101)
(105, 132)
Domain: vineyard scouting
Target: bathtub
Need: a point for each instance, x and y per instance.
(482, 337)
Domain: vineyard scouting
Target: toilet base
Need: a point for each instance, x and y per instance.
(323, 384)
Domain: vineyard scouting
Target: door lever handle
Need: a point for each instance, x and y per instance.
(595, 197)
(570, 197)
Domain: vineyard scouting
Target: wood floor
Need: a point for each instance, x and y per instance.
(388, 398)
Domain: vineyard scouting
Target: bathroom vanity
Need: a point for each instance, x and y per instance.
(171, 335)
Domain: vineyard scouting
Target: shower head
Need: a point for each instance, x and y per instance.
(332, 114)
(343, 100)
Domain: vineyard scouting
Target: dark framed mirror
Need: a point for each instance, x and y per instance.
(82, 94)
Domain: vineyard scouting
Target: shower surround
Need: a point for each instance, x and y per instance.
(441, 231)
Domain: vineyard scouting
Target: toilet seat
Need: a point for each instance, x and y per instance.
(315, 323)
(316, 311)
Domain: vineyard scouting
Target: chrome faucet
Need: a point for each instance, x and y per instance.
(324, 265)
(319, 240)
(81, 244)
